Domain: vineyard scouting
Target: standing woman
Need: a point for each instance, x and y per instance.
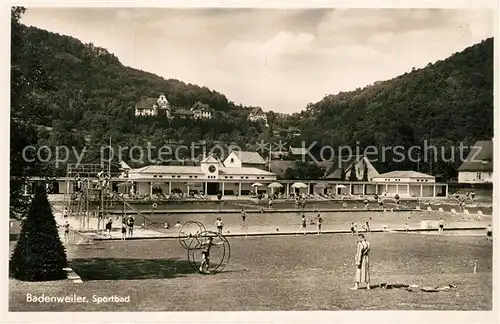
(362, 263)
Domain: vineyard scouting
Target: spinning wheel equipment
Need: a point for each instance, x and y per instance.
(194, 237)
(189, 232)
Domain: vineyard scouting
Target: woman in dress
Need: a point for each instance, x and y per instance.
(362, 263)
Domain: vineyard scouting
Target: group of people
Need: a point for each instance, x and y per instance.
(303, 224)
(365, 227)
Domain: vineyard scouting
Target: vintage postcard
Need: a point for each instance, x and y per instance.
(315, 159)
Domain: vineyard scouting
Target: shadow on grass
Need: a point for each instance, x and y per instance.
(130, 269)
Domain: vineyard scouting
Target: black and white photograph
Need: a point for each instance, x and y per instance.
(248, 159)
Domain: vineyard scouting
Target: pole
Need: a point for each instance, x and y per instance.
(109, 160)
(87, 199)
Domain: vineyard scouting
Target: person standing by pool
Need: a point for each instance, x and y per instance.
(380, 203)
(219, 225)
(441, 226)
(366, 203)
(109, 225)
(244, 225)
(66, 231)
(178, 226)
(303, 224)
(124, 231)
(320, 222)
(130, 225)
(489, 233)
(270, 204)
(366, 227)
(362, 260)
(352, 228)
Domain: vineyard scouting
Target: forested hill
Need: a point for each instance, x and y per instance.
(448, 101)
(92, 94)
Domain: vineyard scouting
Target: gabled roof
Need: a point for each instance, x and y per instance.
(124, 165)
(404, 174)
(480, 158)
(256, 111)
(249, 157)
(338, 164)
(210, 159)
(146, 103)
(200, 106)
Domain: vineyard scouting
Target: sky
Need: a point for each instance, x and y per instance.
(278, 59)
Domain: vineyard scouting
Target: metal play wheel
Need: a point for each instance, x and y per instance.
(220, 252)
(189, 232)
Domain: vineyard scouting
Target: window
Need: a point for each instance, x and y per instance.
(173, 176)
(190, 177)
(178, 176)
(225, 177)
(196, 177)
(160, 176)
(478, 176)
(246, 177)
(232, 160)
(230, 177)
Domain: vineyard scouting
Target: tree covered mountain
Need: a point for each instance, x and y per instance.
(92, 96)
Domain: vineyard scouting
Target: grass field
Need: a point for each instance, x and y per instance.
(275, 273)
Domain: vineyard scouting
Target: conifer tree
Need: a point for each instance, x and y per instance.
(39, 254)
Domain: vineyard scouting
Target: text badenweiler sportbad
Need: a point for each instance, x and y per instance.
(76, 299)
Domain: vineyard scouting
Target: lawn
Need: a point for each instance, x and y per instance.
(275, 273)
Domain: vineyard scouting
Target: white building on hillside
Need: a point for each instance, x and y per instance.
(257, 114)
(150, 106)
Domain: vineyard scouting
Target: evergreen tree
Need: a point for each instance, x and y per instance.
(342, 174)
(352, 175)
(39, 254)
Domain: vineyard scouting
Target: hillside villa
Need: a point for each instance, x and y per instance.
(257, 114)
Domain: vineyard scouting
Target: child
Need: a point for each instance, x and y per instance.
(441, 225)
(124, 231)
(219, 225)
(303, 225)
(367, 227)
(66, 231)
(178, 225)
(366, 203)
(406, 227)
(108, 226)
(130, 225)
(352, 228)
(270, 204)
(489, 233)
(205, 254)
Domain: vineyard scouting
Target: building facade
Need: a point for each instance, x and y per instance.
(478, 165)
(201, 111)
(151, 106)
(257, 114)
(210, 177)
